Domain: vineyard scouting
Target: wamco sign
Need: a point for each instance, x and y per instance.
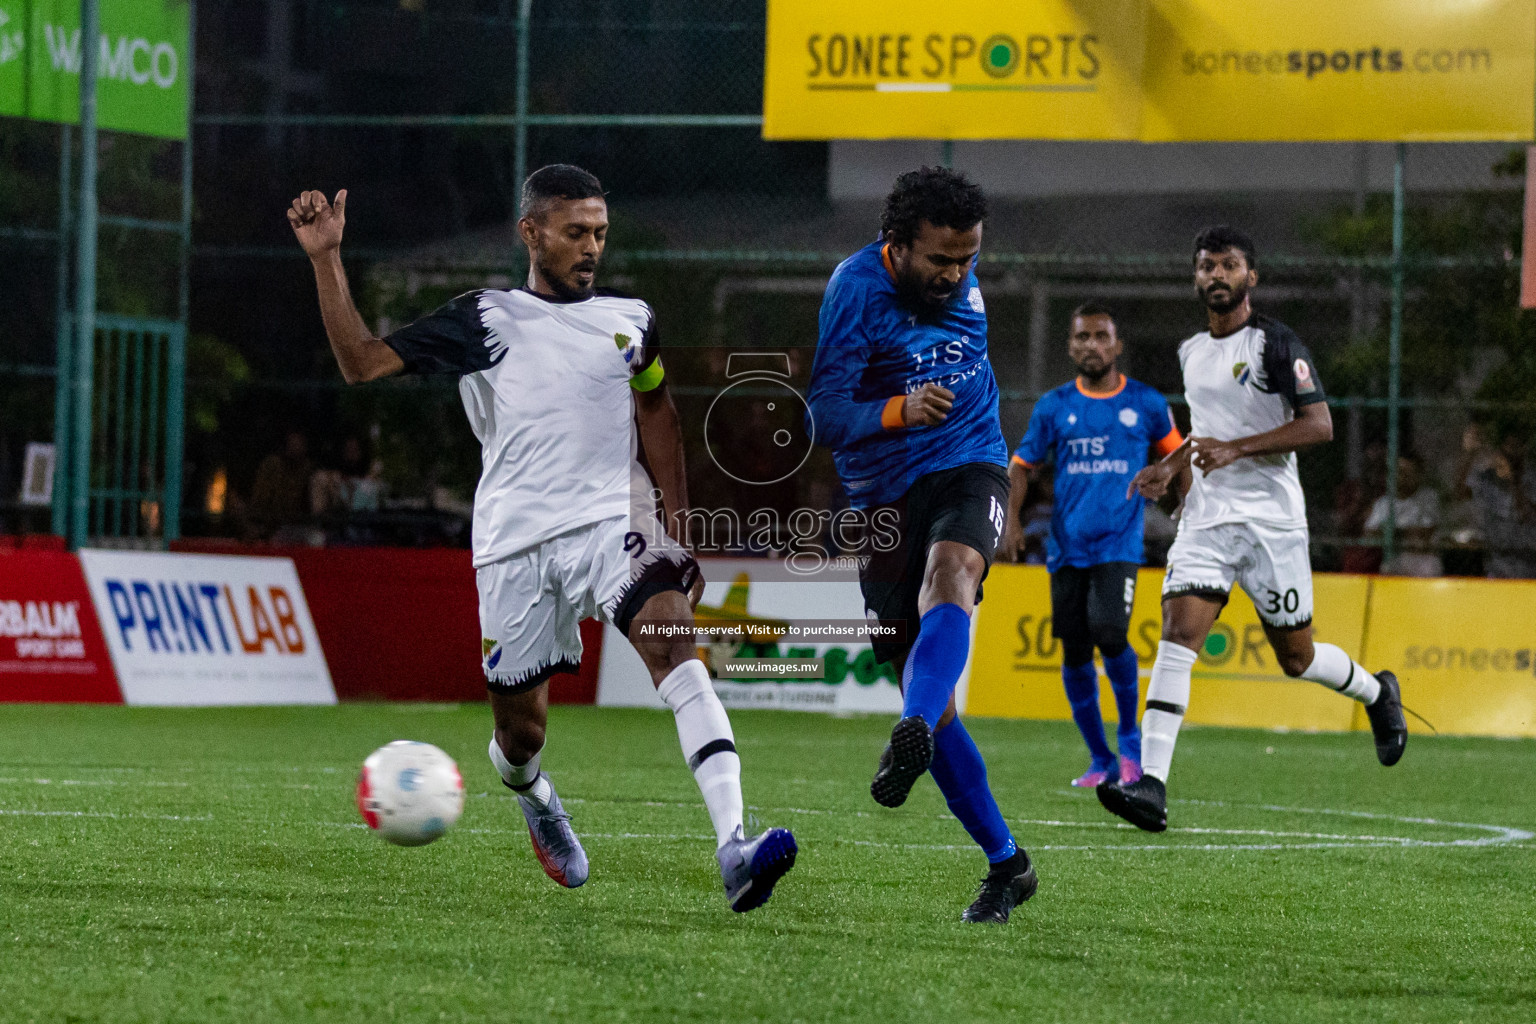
(123, 60)
(142, 70)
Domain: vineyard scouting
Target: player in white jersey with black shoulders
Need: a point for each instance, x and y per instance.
(563, 385)
(1254, 401)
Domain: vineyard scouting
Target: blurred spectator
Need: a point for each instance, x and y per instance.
(279, 508)
(1351, 509)
(1373, 469)
(1504, 495)
(354, 485)
(1461, 524)
(1417, 516)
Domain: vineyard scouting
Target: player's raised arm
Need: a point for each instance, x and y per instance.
(318, 225)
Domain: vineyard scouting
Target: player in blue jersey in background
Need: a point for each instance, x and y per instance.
(1099, 428)
(903, 394)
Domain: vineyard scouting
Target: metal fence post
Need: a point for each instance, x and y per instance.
(520, 136)
(63, 393)
(1395, 355)
(176, 347)
(85, 280)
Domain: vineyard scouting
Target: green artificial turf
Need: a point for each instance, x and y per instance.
(207, 865)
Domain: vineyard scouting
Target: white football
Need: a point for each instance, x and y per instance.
(410, 793)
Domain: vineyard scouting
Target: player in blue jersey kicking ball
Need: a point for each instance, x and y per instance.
(903, 394)
(1099, 427)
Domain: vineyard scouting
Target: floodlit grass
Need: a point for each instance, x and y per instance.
(209, 865)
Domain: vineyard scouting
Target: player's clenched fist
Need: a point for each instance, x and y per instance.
(317, 223)
(927, 406)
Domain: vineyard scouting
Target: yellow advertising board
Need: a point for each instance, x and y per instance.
(1367, 70)
(1016, 663)
(1464, 649)
(989, 69)
(1152, 70)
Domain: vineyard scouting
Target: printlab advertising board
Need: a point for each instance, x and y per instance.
(207, 629)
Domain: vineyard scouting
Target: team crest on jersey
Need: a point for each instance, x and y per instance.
(1241, 373)
(626, 346)
(490, 653)
(1128, 417)
(1305, 385)
(975, 300)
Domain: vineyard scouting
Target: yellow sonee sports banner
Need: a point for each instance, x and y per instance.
(990, 69)
(1016, 663)
(1367, 70)
(1463, 649)
(1152, 70)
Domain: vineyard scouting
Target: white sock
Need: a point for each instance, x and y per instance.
(705, 734)
(1167, 697)
(1337, 671)
(525, 779)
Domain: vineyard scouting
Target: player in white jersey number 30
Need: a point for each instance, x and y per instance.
(562, 385)
(1254, 401)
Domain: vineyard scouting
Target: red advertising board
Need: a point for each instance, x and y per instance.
(51, 647)
(403, 624)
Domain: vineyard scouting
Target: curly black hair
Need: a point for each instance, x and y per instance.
(555, 182)
(1220, 238)
(938, 195)
(1093, 307)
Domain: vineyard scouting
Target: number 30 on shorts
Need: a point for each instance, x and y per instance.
(1289, 601)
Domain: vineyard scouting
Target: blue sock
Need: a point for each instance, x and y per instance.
(934, 666)
(1125, 680)
(961, 775)
(1082, 682)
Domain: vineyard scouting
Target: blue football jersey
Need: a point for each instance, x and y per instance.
(1099, 442)
(871, 353)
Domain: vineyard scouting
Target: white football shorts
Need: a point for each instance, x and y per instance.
(1274, 567)
(532, 603)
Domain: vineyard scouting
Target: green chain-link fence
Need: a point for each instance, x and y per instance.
(424, 111)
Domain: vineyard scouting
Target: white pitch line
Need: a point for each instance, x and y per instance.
(1500, 835)
(88, 782)
(104, 814)
(1514, 835)
(1505, 836)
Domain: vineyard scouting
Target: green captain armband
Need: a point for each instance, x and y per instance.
(648, 378)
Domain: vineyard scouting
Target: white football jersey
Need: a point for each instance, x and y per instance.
(1239, 385)
(546, 384)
